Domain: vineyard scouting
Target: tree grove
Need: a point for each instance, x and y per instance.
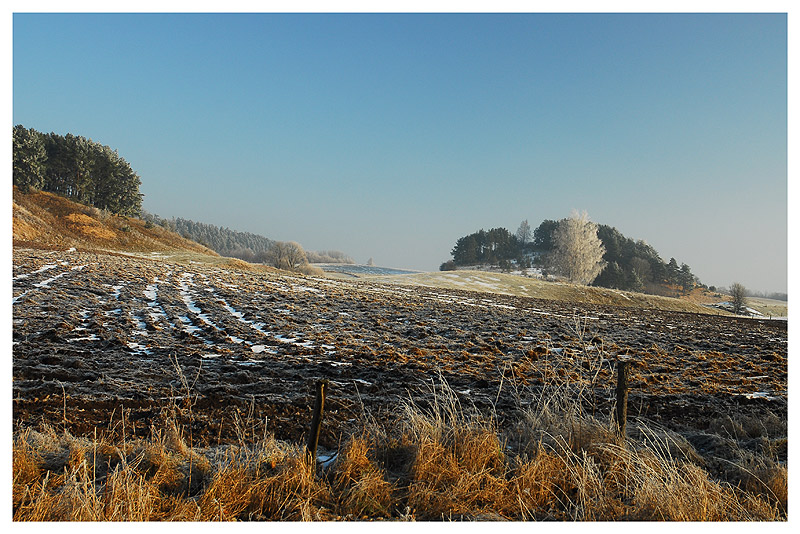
(77, 168)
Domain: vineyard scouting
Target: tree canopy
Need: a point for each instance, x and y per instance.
(247, 246)
(492, 247)
(77, 168)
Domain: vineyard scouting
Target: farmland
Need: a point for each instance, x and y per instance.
(109, 342)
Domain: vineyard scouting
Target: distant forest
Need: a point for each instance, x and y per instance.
(77, 168)
(225, 242)
(246, 246)
(632, 265)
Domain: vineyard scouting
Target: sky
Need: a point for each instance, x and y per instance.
(390, 135)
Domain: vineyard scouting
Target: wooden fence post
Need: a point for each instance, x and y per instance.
(622, 395)
(316, 421)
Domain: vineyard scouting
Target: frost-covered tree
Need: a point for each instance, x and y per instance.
(29, 158)
(289, 256)
(577, 251)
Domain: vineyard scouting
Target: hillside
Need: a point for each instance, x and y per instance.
(47, 220)
(629, 264)
(700, 300)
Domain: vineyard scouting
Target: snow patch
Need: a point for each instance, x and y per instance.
(40, 270)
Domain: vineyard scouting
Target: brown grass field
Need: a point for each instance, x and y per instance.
(442, 464)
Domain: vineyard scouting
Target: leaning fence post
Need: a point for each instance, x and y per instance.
(316, 421)
(622, 395)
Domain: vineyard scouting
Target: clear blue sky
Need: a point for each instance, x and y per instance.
(391, 136)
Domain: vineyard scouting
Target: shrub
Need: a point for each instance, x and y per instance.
(449, 265)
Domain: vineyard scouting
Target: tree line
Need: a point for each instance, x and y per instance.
(77, 168)
(579, 250)
(246, 246)
(252, 248)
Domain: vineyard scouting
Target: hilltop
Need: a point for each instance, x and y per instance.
(620, 262)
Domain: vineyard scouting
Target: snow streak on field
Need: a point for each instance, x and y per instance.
(164, 304)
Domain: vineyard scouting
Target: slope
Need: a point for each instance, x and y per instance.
(46, 220)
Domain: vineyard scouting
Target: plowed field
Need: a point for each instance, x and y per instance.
(103, 340)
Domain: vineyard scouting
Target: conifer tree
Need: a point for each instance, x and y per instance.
(29, 159)
(75, 167)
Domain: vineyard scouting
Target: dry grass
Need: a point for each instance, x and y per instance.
(442, 461)
(42, 219)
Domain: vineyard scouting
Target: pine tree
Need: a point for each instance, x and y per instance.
(29, 158)
(543, 235)
(75, 167)
(687, 278)
(673, 270)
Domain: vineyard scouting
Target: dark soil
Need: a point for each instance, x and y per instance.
(111, 344)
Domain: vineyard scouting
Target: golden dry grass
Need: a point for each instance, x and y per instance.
(89, 228)
(440, 462)
(47, 220)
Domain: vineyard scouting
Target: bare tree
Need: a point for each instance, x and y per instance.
(577, 251)
(287, 255)
(642, 268)
(738, 298)
(524, 233)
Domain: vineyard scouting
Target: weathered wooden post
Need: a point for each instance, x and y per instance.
(622, 395)
(316, 422)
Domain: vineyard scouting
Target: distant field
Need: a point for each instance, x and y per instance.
(700, 301)
(356, 271)
(769, 307)
(518, 286)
